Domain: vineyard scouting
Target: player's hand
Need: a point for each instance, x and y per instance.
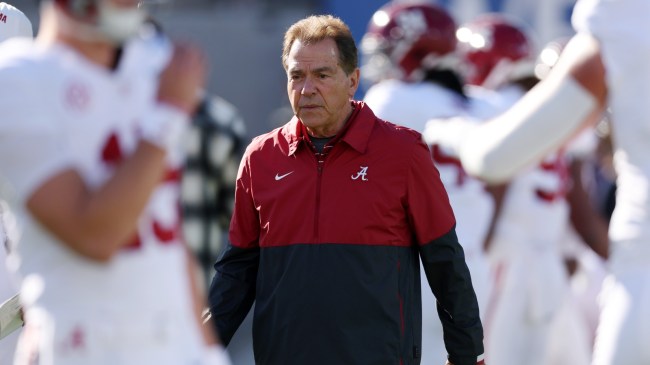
(183, 78)
(448, 133)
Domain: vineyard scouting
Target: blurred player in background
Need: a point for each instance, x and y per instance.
(585, 246)
(530, 283)
(90, 165)
(15, 24)
(604, 64)
(408, 55)
(214, 147)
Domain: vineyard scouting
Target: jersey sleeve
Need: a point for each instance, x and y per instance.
(621, 31)
(32, 143)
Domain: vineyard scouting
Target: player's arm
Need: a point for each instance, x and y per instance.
(584, 217)
(96, 223)
(498, 193)
(574, 94)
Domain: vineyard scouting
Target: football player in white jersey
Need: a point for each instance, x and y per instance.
(585, 246)
(604, 64)
(92, 114)
(408, 52)
(531, 286)
(15, 24)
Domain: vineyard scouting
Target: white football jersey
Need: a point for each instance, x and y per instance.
(622, 29)
(61, 111)
(535, 211)
(531, 287)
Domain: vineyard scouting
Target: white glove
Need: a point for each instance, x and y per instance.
(448, 132)
(165, 126)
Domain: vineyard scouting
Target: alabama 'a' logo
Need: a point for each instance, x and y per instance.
(77, 96)
(361, 174)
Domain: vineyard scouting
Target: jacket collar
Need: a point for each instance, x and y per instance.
(356, 133)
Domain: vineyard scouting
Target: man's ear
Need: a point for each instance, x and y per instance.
(353, 78)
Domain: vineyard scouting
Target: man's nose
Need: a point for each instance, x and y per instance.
(309, 86)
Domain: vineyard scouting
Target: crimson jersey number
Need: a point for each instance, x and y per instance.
(555, 165)
(112, 155)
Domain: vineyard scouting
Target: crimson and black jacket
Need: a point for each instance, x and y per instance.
(330, 251)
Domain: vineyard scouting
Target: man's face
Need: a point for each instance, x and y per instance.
(318, 88)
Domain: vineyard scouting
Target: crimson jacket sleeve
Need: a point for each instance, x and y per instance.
(443, 260)
(232, 291)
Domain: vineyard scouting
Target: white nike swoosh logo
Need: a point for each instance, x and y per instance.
(280, 177)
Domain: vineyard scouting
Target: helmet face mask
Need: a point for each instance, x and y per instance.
(104, 19)
(495, 50)
(403, 40)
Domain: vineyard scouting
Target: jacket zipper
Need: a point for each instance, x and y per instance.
(319, 169)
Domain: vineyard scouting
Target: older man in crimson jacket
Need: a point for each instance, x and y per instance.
(333, 211)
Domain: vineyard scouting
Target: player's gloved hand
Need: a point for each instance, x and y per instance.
(179, 93)
(183, 79)
(448, 132)
(164, 126)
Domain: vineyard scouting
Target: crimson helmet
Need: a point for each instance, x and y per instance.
(495, 50)
(404, 39)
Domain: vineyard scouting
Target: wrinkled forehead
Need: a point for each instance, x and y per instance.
(322, 54)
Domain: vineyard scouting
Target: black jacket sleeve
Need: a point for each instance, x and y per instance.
(449, 278)
(232, 291)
